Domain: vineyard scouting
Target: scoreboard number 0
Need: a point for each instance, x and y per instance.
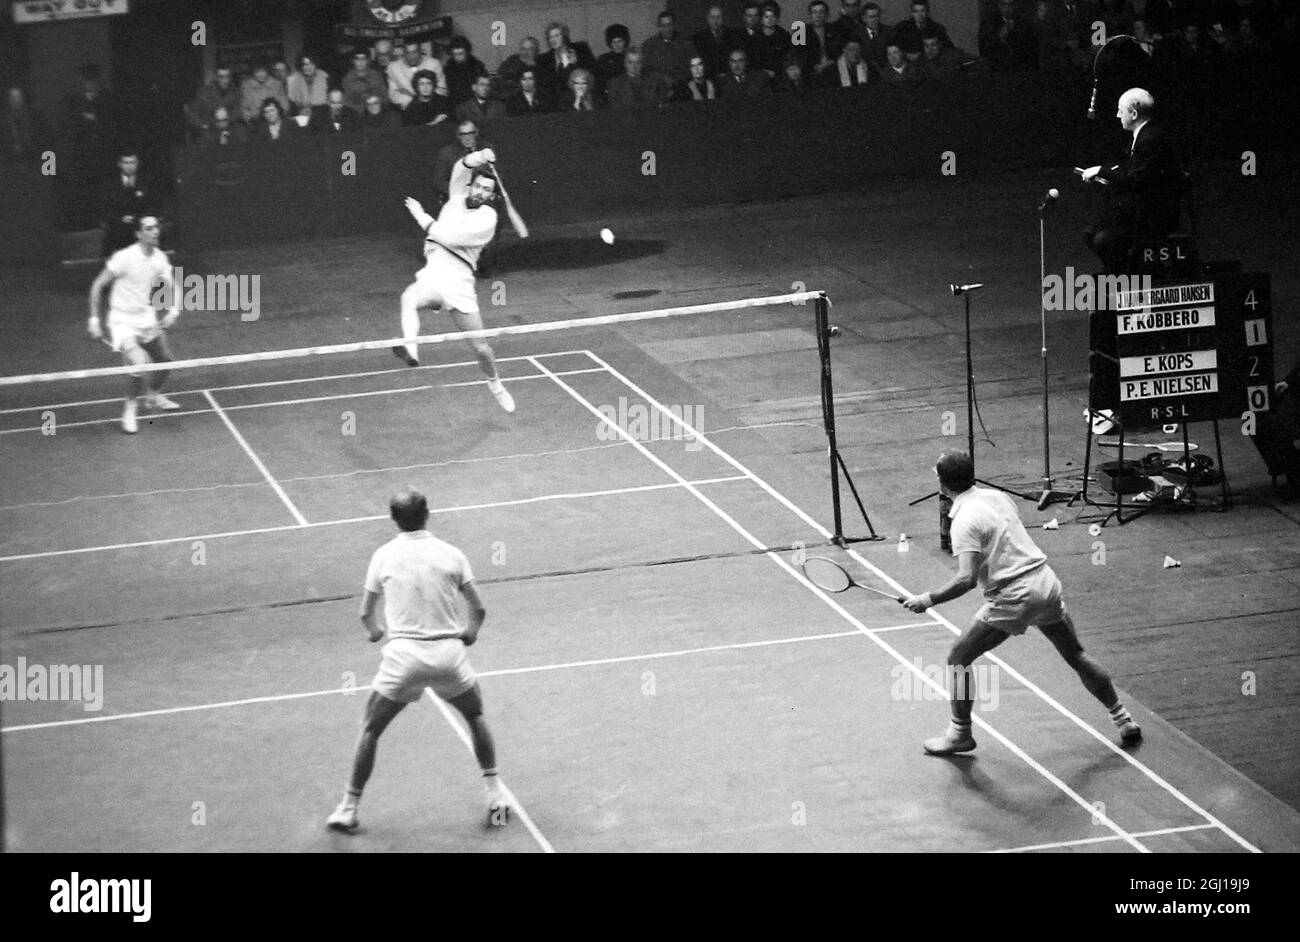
(1257, 396)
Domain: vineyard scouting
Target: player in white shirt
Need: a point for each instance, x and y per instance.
(995, 552)
(452, 245)
(138, 274)
(421, 580)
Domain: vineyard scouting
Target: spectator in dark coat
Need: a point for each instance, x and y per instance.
(462, 69)
(529, 99)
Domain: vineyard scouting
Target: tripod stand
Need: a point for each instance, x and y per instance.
(965, 292)
(1049, 494)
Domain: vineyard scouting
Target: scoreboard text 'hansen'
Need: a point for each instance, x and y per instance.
(1194, 351)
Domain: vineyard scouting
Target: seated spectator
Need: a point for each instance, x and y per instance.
(427, 107)
(526, 58)
(336, 117)
(308, 88)
(378, 116)
(479, 106)
(610, 64)
(820, 48)
(223, 132)
(740, 82)
(22, 130)
(528, 99)
(1006, 41)
(1157, 14)
(218, 93)
(466, 142)
(875, 36)
(937, 63)
(897, 70)
(580, 93)
(746, 38)
(382, 57)
(667, 54)
(562, 56)
(1051, 34)
(123, 200)
(1246, 43)
(714, 42)
(699, 87)
(638, 87)
(792, 80)
(851, 70)
(908, 35)
(257, 88)
(280, 69)
(362, 82)
(401, 74)
(1142, 36)
(848, 25)
(462, 70)
(772, 41)
(274, 125)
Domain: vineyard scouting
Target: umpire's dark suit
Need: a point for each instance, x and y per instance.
(121, 207)
(1144, 192)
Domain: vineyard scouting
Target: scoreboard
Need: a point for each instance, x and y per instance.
(1193, 350)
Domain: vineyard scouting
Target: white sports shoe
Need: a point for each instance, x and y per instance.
(498, 808)
(343, 819)
(950, 743)
(503, 396)
(156, 400)
(129, 424)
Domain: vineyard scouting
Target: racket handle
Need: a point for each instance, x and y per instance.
(1092, 105)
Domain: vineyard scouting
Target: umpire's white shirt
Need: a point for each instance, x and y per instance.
(986, 522)
(420, 577)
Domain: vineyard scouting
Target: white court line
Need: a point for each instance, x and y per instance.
(286, 402)
(304, 379)
(243, 443)
(1078, 799)
(666, 485)
(515, 804)
(504, 672)
(1159, 832)
(1011, 671)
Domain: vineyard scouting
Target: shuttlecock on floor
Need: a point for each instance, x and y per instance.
(903, 545)
(1171, 563)
(1052, 524)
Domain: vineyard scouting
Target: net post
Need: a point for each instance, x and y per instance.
(821, 310)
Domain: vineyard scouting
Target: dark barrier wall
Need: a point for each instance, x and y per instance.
(593, 165)
(27, 215)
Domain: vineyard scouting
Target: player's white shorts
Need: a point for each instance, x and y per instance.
(452, 280)
(1032, 600)
(409, 666)
(128, 333)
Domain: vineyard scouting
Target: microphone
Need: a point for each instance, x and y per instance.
(1052, 196)
(962, 289)
(1092, 105)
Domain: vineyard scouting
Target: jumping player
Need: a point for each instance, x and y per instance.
(452, 244)
(421, 579)
(134, 329)
(994, 551)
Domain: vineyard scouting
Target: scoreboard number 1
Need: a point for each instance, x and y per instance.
(1256, 334)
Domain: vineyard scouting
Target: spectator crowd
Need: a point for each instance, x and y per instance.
(1185, 44)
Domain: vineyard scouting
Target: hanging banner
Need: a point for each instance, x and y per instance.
(395, 20)
(46, 11)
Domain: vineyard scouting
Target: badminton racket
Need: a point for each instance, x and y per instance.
(515, 219)
(832, 577)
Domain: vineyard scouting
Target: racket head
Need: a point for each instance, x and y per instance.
(827, 574)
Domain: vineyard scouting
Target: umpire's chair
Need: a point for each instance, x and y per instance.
(1172, 254)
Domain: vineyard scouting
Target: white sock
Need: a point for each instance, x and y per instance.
(411, 328)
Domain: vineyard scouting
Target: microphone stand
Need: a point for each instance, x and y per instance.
(1049, 494)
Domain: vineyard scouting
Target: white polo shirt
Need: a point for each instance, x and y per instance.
(135, 278)
(986, 522)
(420, 578)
